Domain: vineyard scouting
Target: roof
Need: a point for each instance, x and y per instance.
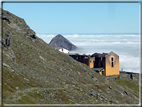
(127, 72)
(104, 54)
(79, 55)
(97, 69)
(112, 52)
(95, 54)
(99, 55)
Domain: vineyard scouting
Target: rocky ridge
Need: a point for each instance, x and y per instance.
(36, 73)
(60, 41)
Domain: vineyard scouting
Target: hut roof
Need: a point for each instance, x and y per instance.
(99, 55)
(97, 69)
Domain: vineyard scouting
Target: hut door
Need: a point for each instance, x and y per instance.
(102, 72)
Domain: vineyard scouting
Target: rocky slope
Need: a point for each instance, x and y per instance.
(36, 73)
(60, 41)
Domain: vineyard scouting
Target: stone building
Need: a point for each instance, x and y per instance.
(106, 63)
(81, 58)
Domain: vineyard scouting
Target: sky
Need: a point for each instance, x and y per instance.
(78, 17)
(75, 20)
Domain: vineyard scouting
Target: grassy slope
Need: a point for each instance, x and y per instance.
(128, 83)
(44, 75)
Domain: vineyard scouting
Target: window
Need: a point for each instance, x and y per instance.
(112, 62)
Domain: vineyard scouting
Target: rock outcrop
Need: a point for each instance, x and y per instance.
(36, 73)
(60, 41)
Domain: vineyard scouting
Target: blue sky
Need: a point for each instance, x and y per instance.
(78, 17)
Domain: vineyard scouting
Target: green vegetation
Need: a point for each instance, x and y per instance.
(25, 100)
(34, 72)
(128, 83)
(11, 80)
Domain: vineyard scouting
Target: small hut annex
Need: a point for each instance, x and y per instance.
(62, 50)
(106, 63)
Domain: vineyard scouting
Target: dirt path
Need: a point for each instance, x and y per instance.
(18, 94)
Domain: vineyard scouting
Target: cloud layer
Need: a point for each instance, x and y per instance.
(126, 46)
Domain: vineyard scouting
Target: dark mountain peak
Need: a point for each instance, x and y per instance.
(61, 41)
(59, 35)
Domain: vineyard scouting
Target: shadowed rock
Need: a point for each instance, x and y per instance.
(60, 41)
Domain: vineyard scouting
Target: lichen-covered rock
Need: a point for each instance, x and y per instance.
(17, 24)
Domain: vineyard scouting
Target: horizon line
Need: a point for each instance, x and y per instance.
(87, 33)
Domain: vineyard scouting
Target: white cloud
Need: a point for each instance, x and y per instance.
(71, 36)
(132, 35)
(126, 46)
(129, 62)
(46, 38)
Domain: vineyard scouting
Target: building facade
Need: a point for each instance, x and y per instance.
(106, 63)
(112, 64)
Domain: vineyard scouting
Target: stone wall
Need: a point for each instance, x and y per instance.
(129, 75)
(125, 75)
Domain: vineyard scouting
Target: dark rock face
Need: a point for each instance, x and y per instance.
(60, 41)
(16, 24)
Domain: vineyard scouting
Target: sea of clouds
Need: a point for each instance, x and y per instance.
(127, 46)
